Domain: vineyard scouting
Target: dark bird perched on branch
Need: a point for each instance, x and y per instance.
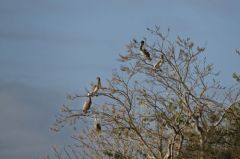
(87, 104)
(144, 52)
(95, 88)
(159, 63)
(97, 126)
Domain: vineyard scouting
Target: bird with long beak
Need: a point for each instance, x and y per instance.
(95, 88)
(144, 52)
(159, 63)
(87, 104)
(98, 127)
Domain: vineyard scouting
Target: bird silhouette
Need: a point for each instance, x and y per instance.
(144, 52)
(98, 127)
(95, 88)
(87, 104)
(159, 63)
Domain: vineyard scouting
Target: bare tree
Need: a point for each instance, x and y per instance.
(162, 108)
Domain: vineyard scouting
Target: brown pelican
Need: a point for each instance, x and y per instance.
(87, 105)
(144, 52)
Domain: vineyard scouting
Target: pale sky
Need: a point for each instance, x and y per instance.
(52, 47)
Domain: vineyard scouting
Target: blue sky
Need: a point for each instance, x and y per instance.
(52, 47)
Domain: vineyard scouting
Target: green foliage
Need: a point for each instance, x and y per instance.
(236, 76)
